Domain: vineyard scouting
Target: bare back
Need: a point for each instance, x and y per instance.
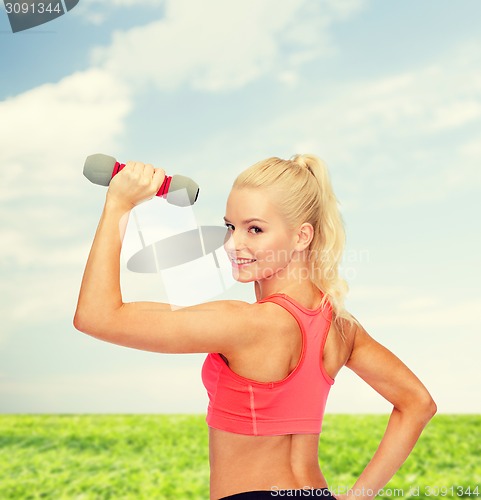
(243, 463)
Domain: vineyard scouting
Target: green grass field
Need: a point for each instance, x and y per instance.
(166, 456)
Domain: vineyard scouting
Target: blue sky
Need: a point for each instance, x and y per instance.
(387, 93)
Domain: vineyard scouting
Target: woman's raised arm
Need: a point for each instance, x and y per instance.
(212, 327)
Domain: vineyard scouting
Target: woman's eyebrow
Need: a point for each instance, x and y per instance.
(249, 221)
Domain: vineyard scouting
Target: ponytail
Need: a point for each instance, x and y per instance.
(327, 246)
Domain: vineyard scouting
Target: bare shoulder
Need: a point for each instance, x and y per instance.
(257, 314)
(259, 321)
(339, 345)
(271, 343)
(347, 329)
(355, 337)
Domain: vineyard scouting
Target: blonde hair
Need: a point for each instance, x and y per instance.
(305, 194)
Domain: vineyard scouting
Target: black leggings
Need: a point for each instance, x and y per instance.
(322, 493)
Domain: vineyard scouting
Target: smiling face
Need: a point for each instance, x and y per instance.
(259, 243)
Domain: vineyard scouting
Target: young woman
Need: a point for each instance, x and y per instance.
(271, 364)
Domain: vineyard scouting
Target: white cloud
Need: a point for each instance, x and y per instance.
(122, 3)
(98, 11)
(217, 45)
(46, 134)
(44, 130)
(130, 3)
(406, 138)
(471, 151)
(391, 134)
(456, 114)
(343, 9)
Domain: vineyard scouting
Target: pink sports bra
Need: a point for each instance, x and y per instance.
(294, 405)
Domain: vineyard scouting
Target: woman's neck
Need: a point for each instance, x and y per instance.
(293, 281)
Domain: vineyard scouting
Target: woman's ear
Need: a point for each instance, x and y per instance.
(305, 234)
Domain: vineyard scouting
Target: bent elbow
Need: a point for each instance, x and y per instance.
(96, 324)
(427, 410)
(79, 322)
(431, 408)
(423, 407)
(82, 322)
(418, 404)
(426, 405)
